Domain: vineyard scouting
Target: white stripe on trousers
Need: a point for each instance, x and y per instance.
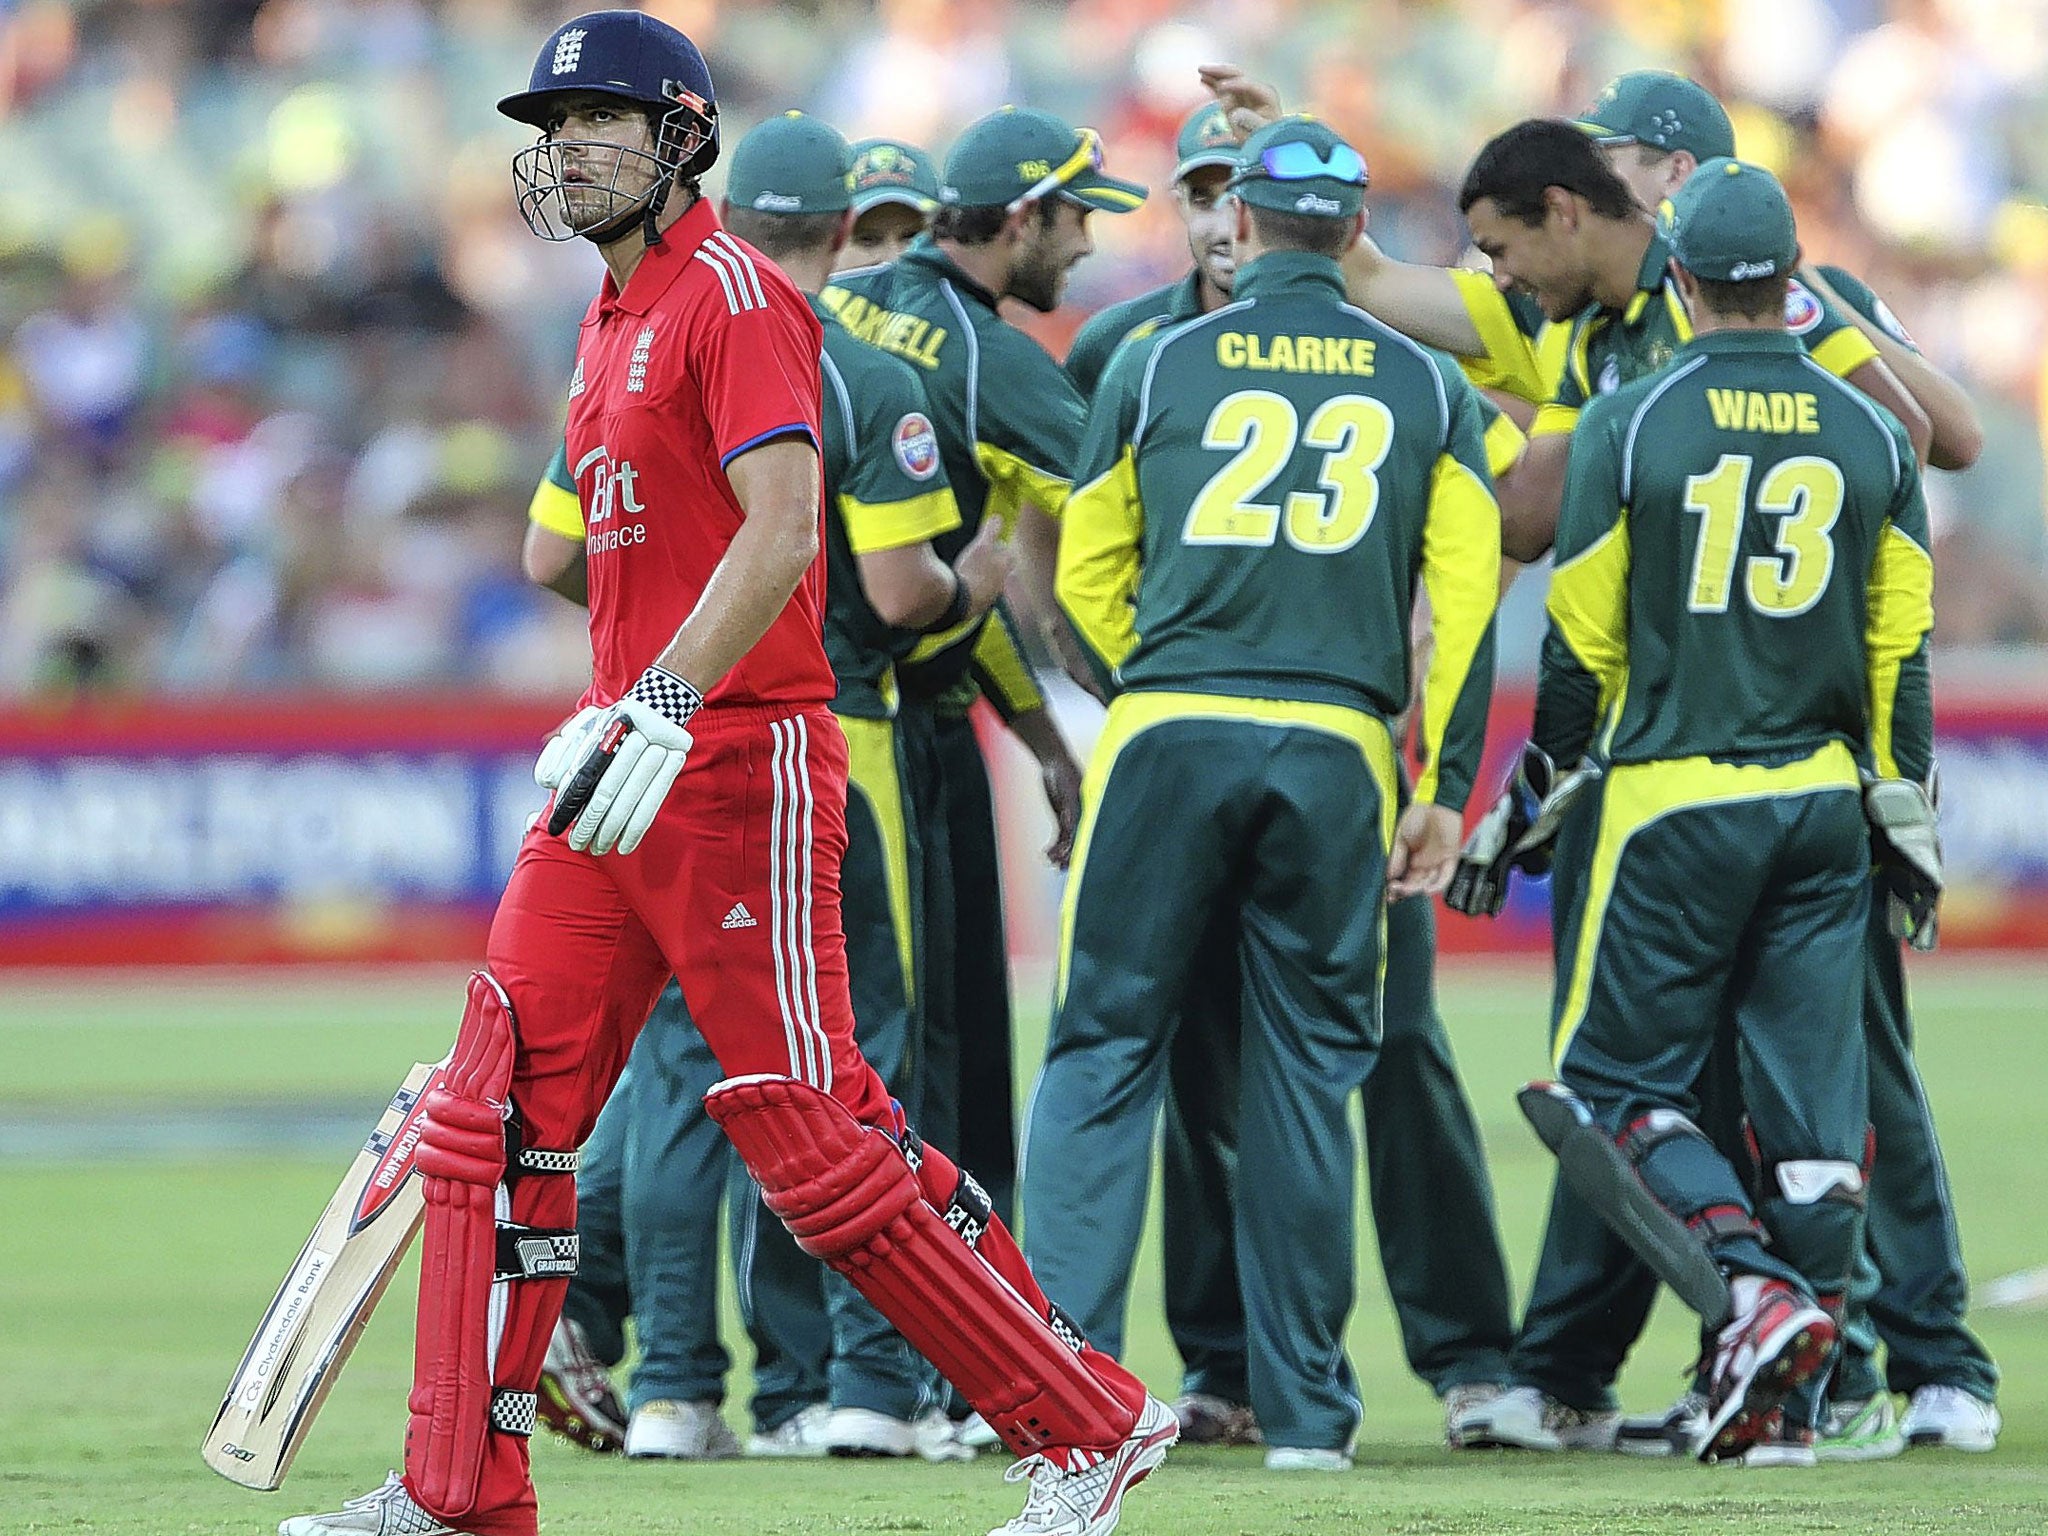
(790, 933)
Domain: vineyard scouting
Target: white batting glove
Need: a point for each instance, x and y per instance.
(613, 783)
(565, 746)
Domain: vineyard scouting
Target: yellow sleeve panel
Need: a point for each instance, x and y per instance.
(556, 510)
(1461, 575)
(1097, 579)
(1554, 420)
(872, 527)
(1012, 482)
(1553, 347)
(1504, 445)
(1004, 671)
(1589, 605)
(1508, 361)
(1901, 613)
(1844, 352)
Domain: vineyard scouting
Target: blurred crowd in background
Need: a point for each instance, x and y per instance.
(279, 363)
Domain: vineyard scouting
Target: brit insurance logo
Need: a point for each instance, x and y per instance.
(569, 50)
(612, 503)
(917, 446)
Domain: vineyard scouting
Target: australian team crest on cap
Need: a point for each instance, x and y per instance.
(917, 446)
(1802, 309)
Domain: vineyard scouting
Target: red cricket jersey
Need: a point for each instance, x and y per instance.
(710, 351)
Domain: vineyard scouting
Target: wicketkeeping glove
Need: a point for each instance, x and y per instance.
(614, 771)
(1516, 833)
(1906, 845)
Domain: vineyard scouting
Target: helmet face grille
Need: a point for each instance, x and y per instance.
(571, 187)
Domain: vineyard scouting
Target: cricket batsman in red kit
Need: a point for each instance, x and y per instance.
(698, 825)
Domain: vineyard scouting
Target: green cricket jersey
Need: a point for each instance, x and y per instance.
(886, 483)
(1742, 569)
(1132, 320)
(1610, 347)
(1260, 491)
(1149, 313)
(1009, 427)
(885, 487)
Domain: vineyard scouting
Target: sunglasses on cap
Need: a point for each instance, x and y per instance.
(1299, 161)
(1087, 156)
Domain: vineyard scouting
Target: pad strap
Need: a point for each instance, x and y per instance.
(512, 1413)
(970, 1209)
(1648, 1132)
(536, 1253)
(543, 1160)
(1725, 1223)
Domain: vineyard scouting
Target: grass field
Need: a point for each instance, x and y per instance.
(131, 1283)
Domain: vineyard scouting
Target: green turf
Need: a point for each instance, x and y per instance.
(129, 1290)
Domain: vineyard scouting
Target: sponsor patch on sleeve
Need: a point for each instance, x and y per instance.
(1802, 309)
(1891, 323)
(917, 446)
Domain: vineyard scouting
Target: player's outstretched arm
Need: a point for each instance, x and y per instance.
(910, 587)
(1877, 380)
(1958, 434)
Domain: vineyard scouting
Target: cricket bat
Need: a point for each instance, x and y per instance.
(326, 1299)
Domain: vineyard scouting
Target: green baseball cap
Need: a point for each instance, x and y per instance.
(1731, 222)
(793, 163)
(1017, 153)
(1206, 138)
(1661, 109)
(891, 171)
(1300, 165)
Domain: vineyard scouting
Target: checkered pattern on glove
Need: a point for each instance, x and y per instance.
(665, 693)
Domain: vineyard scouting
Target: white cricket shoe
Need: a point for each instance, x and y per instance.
(676, 1431)
(1950, 1419)
(1462, 1404)
(1777, 1341)
(802, 1434)
(386, 1510)
(1089, 1502)
(938, 1439)
(1528, 1419)
(575, 1396)
(977, 1434)
(1860, 1429)
(1306, 1458)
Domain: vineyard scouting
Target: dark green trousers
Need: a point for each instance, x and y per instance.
(1432, 1204)
(1277, 815)
(969, 1083)
(1911, 1290)
(1591, 1296)
(814, 1337)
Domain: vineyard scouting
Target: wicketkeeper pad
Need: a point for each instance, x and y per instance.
(852, 1198)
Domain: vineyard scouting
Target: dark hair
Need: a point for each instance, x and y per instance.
(1279, 231)
(981, 224)
(1516, 167)
(1757, 298)
(776, 235)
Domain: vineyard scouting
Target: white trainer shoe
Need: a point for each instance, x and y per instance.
(386, 1510)
(1860, 1429)
(1306, 1458)
(868, 1432)
(802, 1434)
(1090, 1501)
(1463, 1404)
(1528, 1419)
(937, 1438)
(676, 1431)
(977, 1434)
(1950, 1419)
